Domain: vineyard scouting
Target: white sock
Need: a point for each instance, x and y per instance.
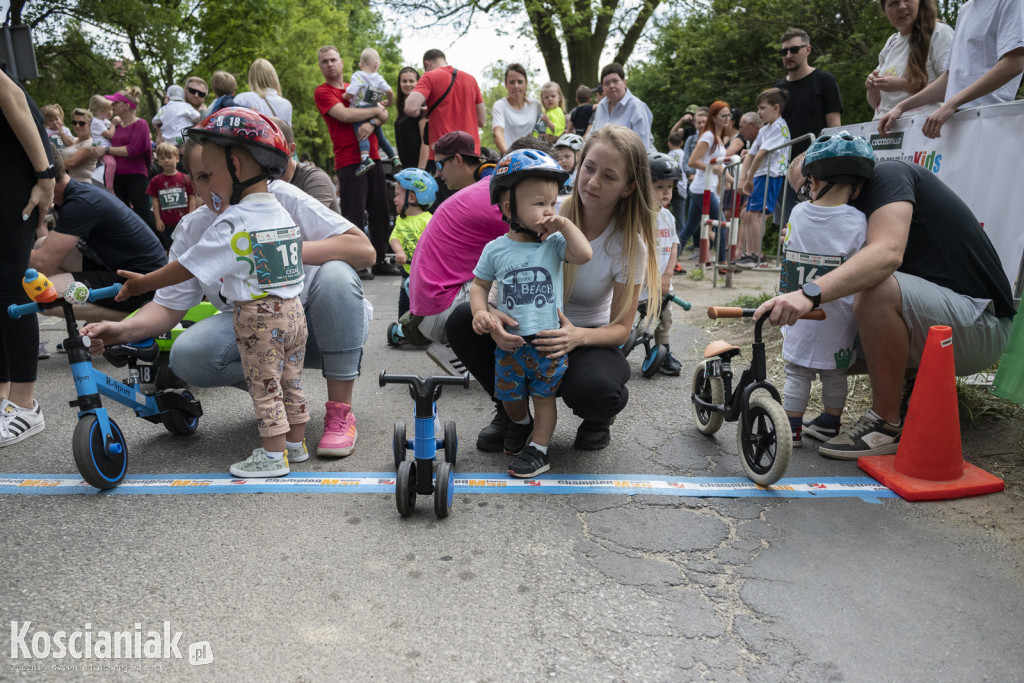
(524, 421)
(542, 449)
(275, 455)
(289, 445)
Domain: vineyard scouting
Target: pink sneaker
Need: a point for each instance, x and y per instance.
(340, 434)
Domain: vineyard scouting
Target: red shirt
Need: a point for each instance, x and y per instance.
(458, 110)
(172, 193)
(343, 137)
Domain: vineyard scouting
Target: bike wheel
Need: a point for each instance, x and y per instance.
(405, 488)
(710, 390)
(766, 443)
(444, 490)
(180, 422)
(451, 443)
(395, 337)
(98, 466)
(653, 360)
(398, 444)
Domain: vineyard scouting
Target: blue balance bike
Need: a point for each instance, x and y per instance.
(417, 475)
(98, 443)
(654, 354)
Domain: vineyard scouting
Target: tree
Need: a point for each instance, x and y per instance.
(573, 32)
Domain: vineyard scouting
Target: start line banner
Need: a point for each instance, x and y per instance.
(977, 156)
(865, 488)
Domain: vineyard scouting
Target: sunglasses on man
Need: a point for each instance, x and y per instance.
(791, 50)
(197, 93)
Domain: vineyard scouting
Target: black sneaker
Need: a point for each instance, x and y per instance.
(383, 268)
(492, 437)
(908, 389)
(517, 436)
(593, 435)
(870, 435)
(365, 166)
(670, 366)
(529, 463)
(817, 429)
(364, 274)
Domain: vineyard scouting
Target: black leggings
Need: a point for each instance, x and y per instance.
(131, 189)
(594, 386)
(19, 339)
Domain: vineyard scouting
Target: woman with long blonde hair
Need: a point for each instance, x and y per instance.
(610, 203)
(265, 92)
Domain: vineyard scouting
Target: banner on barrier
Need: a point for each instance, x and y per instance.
(976, 157)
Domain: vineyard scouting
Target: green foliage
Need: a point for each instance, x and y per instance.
(751, 300)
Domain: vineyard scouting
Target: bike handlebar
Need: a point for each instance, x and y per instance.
(104, 292)
(678, 302)
(715, 312)
(16, 311)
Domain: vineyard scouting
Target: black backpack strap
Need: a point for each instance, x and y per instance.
(455, 72)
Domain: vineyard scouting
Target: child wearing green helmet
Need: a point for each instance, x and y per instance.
(820, 236)
(415, 191)
(527, 265)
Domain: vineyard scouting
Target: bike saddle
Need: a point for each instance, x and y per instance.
(119, 355)
(721, 348)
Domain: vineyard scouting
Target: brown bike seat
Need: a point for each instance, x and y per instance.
(719, 348)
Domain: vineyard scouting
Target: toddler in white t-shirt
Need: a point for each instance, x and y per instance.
(366, 89)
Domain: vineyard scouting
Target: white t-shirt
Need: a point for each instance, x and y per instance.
(590, 301)
(715, 151)
(316, 221)
(892, 61)
(97, 128)
(367, 88)
(680, 159)
(985, 31)
(665, 227)
(272, 105)
(173, 117)
(516, 122)
(819, 239)
(772, 135)
(253, 248)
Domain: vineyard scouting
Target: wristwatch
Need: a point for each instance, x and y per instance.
(48, 173)
(812, 292)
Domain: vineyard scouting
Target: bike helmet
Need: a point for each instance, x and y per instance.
(516, 167)
(840, 158)
(250, 129)
(664, 167)
(570, 140)
(420, 183)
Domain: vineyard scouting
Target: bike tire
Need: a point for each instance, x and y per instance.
(765, 444)
(711, 390)
(98, 468)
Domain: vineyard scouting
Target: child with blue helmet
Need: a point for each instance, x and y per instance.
(527, 263)
(415, 191)
(820, 236)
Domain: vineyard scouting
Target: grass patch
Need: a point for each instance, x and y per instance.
(696, 274)
(977, 402)
(751, 300)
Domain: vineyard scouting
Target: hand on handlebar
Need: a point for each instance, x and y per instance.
(785, 309)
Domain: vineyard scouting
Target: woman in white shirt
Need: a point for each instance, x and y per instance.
(912, 58)
(709, 146)
(265, 92)
(515, 115)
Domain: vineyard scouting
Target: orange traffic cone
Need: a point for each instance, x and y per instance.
(928, 464)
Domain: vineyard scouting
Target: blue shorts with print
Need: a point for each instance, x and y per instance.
(526, 372)
(757, 201)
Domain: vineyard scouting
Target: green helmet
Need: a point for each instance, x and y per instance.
(840, 158)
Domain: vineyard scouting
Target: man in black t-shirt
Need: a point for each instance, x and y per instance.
(812, 103)
(926, 262)
(96, 235)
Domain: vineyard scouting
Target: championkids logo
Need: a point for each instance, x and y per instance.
(86, 643)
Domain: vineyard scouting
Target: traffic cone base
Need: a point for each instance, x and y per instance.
(973, 481)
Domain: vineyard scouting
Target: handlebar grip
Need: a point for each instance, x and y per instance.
(716, 312)
(679, 302)
(15, 311)
(104, 292)
(814, 314)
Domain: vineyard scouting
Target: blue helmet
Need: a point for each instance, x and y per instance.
(421, 183)
(840, 158)
(521, 164)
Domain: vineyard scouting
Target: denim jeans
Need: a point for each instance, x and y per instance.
(693, 214)
(206, 355)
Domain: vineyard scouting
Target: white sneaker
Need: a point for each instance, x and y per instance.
(17, 423)
(259, 465)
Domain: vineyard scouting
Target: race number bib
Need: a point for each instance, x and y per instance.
(799, 268)
(172, 198)
(373, 95)
(276, 257)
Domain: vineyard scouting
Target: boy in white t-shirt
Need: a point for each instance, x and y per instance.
(665, 173)
(820, 236)
(175, 116)
(763, 176)
(254, 248)
(366, 89)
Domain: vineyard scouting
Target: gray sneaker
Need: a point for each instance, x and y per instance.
(870, 435)
(259, 465)
(299, 454)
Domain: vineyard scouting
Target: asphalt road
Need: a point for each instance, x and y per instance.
(336, 586)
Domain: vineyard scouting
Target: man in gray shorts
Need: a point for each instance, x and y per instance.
(926, 262)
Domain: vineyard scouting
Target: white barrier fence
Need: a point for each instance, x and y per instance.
(977, 157)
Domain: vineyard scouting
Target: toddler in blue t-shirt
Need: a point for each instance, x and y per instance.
(526, 264)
